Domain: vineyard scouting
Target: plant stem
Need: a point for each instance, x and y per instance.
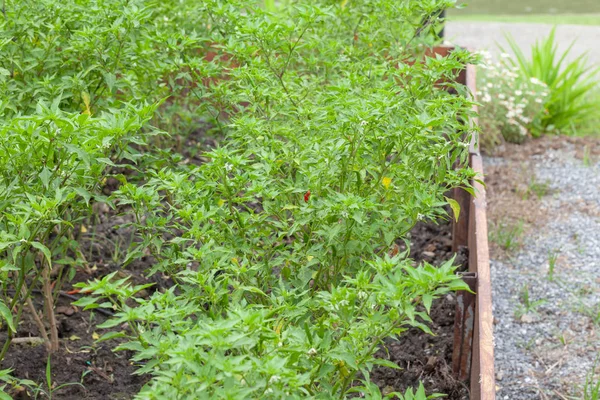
(49, 308)
(37, 319)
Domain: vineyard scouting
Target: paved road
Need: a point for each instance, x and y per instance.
(484, 35)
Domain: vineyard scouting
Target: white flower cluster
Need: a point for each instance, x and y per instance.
(509, 100)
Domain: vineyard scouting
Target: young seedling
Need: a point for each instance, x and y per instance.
(563, 338)
(587, 161)
(552, 258)
(508, 236)
(528, 305)
(591, 389)
(535, 188)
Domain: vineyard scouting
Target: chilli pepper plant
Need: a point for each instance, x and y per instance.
(337, 136)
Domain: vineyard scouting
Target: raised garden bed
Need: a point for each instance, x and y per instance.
(280, 248)
(462, 350)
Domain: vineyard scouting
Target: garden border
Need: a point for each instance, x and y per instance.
(474, 350)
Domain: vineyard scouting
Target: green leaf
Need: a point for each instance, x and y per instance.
(84, 193)
(110, 80)
(85, 302)
(45, 176)
(44, 250)
(347, 358)
(386, 363)
(4, 395)
(49, 373)
(455, 207)
(111, 335)
(83, 155)
(420, 395)
(106, 161)
(7, 315)
(4, 245)
(427, 300)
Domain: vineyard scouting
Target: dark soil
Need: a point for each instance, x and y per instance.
(422, 357)
(102, 373)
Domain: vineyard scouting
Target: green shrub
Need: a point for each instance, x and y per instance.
(51, 165)
(90, 55)
(278, 245)
(337, 139)
(568, 82)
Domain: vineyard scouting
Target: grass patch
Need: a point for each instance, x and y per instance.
(552, 19)
(590, 126)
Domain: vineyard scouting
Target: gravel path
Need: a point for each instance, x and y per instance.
(545, 352)
(485, 35)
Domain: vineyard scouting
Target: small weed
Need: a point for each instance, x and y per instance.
(552, 258)
(508, 236)
(529, 345)
(540, 189)
(34, 390)
(527, 304)
(580, 246)
(587, 161)
(536, 188)
(119, 248)
(591, 311)
(591, 390)
(563, 338)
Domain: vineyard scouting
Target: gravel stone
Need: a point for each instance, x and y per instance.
(548, 353)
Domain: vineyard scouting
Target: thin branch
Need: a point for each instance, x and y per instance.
(38, 321)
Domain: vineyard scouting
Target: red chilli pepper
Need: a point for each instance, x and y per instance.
(306, 196)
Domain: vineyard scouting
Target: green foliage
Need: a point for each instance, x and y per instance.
(33, 390)
(82, 55)
(336, 139)
(569, 83)
(10, 384)
(536, 188)
(70, 74)
(5, 378)
(52, 164)
(371, 392)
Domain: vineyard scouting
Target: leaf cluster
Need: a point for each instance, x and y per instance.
(338, 136)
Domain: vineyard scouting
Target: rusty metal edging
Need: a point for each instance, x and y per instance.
(473, 354)
(464, 322)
